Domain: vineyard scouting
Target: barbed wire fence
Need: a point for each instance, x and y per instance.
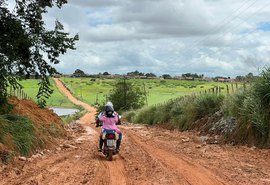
(18, 92)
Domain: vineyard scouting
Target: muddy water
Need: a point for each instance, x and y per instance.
(64, 111)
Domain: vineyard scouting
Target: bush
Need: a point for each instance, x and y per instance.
(207, 104)
(126, 96)
(179, 113)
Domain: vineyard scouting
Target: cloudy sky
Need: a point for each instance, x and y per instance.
(211, 37)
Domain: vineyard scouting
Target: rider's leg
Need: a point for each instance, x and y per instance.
(100, 143)
(118, 142)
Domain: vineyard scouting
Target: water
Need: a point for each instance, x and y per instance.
(64, 111)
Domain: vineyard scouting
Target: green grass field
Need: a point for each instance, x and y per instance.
(95, 90)
(57, 99)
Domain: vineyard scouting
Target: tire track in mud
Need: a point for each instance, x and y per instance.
(115, 168)
(192, 173)
(143, 169)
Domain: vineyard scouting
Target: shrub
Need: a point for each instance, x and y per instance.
(126, 96)
(179, 113)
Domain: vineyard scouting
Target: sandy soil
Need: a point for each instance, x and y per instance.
(149, 155)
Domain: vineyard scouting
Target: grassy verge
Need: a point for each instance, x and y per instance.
(179, 113)
(251, 110)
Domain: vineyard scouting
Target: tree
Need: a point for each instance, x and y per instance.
(135, 73)
(78, 73)
(126, 96)
(106, 73)
(166, 76)
(26, 47)
(150, 75)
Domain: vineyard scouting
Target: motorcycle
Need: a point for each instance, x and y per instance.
(109, 146)
(110, 138)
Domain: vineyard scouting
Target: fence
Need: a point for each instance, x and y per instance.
(230, 88)
(18, 92)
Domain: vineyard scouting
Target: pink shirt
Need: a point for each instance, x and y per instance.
(109, 123)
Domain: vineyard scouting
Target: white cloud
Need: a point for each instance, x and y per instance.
(215, 37)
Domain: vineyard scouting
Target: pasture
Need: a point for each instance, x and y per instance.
(57, 99)
(95, 91)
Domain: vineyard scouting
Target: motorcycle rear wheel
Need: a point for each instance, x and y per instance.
(110, 155)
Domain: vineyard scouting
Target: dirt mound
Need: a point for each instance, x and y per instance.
(46, 125)
(31, 110)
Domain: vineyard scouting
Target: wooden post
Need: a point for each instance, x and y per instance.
(216, 90)
(227, 88)
(10, 90)
(236, 86)
(232, 88)
(213, 90)
(244, 85)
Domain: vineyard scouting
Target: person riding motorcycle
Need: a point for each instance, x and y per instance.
(109, 119)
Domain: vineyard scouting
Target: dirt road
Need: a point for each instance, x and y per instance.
(149, 155)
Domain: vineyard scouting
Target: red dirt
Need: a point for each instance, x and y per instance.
(149, 155)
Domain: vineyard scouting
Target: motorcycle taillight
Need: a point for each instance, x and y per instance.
(110, 136)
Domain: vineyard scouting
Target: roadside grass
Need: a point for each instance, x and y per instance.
(17, 133)
(178, 113)
(251, 110)
(57, 99)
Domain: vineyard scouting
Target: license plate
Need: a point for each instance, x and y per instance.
(110, 142)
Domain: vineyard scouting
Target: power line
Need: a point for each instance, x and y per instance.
(221, 25)
(234, 15)
(250, 32)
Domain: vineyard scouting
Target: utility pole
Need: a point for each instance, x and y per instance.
(125, 93)
(145, 94)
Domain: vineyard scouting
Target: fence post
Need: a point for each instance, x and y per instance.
(227, 88)
(244, 85)
(232, 88)
(236, 86)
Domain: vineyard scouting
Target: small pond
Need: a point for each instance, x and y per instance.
(64, 111)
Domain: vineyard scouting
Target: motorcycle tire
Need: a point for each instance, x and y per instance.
(110, 155)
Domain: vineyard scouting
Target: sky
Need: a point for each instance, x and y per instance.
(210, 37)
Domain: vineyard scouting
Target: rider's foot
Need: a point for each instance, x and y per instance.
(100, 150)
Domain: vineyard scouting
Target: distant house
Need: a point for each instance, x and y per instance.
(189, 78)
(225, 80)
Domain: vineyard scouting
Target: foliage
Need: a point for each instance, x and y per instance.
(179, 113)
(251, 110)
(78, 73)
(262, 88)
(166, 76)
(195, 75)
(135, 73)
(126, 96)
(24, 43)
(149, 75)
